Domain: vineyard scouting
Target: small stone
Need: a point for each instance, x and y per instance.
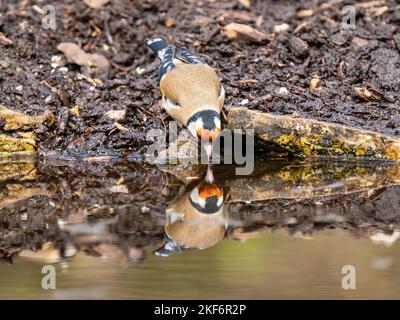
(291, 221)
(116, 114)
(169, 23)
(298, 46)
(314, 83)
(96, 4)
(56, 62)
(5, 41)
(359, 42)
(281, 28)
(244, 102)
(305, 13)
(19, 88)
(140, 70)
(144, 209)
(283, 91)
(4, 64)
(75, 111)
(119, 189)
(245, 3)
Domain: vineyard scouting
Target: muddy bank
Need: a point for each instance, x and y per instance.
(305, 65)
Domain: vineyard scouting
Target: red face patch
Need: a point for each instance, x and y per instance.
(208, 135)
(209, 190)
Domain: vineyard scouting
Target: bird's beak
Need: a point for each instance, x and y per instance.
(208, 138)
(209, 176)
(208, 147)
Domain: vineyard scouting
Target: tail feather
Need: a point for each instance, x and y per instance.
(159, 46)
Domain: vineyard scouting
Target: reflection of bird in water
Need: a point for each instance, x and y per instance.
(195, 220)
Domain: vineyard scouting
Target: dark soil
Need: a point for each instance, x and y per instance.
(313, 46)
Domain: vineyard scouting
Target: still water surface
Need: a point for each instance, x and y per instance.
(105, 230)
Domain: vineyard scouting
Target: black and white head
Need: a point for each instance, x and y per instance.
(206, 126)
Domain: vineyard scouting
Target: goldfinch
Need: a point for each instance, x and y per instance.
(195, 220)
(192, 93)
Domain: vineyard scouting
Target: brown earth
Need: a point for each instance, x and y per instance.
(359, 69)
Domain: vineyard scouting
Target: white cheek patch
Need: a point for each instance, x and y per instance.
(194, 126)
(195, 197)
(217, 122)
(220, 201)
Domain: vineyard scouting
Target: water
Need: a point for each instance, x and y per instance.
(126, 231)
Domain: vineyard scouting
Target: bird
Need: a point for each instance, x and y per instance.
(195, 220)
(192, 93)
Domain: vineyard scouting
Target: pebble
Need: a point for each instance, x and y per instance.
(314, 83)
(140, 70)
(116, 114)
(4, 64)
(48, 99)
(281, 27)
(298, 46)
(144, 209)
(56, 61)
(283, 91)
(244, 102)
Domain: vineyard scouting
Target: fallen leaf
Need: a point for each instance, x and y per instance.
(237, 31)
(91, 62)
(4, 40)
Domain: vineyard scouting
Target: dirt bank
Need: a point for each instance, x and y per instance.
(359, 70)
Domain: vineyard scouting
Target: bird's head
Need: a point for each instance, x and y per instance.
(205, 125)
